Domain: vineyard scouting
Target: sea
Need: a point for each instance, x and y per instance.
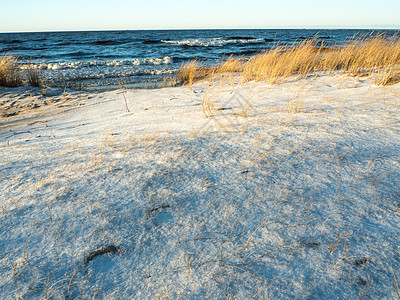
(106, 60)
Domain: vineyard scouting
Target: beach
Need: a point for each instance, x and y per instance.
(105, 60)
(224, 189)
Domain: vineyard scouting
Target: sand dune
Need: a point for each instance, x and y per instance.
(215, 191)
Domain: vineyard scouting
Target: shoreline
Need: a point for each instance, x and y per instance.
(77, 60)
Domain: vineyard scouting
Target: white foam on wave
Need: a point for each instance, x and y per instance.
(106, 73)
(213, 42)
(114, 63)
(160, 72)
(147, 61)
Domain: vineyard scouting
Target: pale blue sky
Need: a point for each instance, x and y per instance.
(54, 15)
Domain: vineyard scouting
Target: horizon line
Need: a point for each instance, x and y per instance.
(376, 27)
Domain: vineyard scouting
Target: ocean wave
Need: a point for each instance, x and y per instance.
(63, 43)
(242, 53)
(167, 60)
(107, 42)
(112, 42)
(150, 41)
(207, 42)
(157, 72)
(11, 42)
(242, 38)
(132, 75)
(77, 54)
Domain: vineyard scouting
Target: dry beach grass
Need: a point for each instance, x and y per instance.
(362, 57)
(9, 74)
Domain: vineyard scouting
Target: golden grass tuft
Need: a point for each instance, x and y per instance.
(388, 75)
(283, 61)
(376, 55)
(190, 72)
(193, 70)
(379, 56)
(9, 74)
(230, 65)
(207, 104)
(34, 76)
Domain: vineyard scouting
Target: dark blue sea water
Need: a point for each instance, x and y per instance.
(142, 58)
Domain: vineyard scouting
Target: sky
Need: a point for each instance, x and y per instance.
(62, 15)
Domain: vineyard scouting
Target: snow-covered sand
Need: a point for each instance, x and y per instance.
(282, 192)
